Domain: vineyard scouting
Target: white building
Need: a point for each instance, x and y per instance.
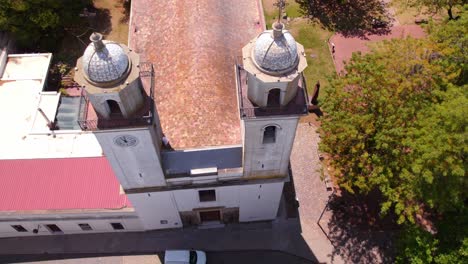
(94, 159)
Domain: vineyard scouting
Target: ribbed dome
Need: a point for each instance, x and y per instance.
(275, 51)
(104, 61)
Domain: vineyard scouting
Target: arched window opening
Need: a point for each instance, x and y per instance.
(114, 108)
(274, 97)
(269, 135)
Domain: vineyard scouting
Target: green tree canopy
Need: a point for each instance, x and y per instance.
(452, 39)
(396, 122)
(437, 5)
(31, 21)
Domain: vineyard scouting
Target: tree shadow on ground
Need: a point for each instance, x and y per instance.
(352, 18)
(102, 21)
(356, 230)
(126, 4)
(76, 38)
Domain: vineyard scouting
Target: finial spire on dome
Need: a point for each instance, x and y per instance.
(96, 38)
(277, 30)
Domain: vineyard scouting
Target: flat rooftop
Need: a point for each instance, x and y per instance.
(193, 46)
(42, 170)
(26, 134)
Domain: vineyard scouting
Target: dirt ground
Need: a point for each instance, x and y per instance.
(117, 16)
(268, 6)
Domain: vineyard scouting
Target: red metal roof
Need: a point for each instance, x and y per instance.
(59, 184)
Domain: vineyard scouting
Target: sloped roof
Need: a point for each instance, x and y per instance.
(193, 46)
(59, 184)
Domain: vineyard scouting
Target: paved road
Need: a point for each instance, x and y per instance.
(235, 257)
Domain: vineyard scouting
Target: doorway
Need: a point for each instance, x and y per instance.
(210, 216)
(274, 96)
(114, 108)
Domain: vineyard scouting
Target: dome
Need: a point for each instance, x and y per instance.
(104, 61)
(275, 51)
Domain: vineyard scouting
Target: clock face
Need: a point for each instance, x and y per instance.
(126, 141)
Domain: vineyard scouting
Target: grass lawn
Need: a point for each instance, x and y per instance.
(319, 60)
(292, 10)
(312, 37)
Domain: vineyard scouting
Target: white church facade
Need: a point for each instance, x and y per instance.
(105, 156)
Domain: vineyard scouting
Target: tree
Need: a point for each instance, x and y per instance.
(437, 5)
(452, 39)
(449, 245)
(31, 21)
(373, 117)
(397, 123)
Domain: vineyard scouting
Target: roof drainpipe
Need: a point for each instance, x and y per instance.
(50, 124)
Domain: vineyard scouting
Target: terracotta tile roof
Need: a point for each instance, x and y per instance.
(193, 46)
(59, 184)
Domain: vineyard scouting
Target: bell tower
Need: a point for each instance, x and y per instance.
(272, 97)
(120, 111)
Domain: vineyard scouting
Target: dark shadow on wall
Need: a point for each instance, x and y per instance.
(349, 17)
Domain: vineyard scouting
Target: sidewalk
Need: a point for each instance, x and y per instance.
(282, 235)
(311, 192)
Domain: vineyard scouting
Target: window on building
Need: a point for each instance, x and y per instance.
(117, 226)
(85, 227)
(19, 228)
(54, 228)
(207, 195)
(163, 222)
(269, 135)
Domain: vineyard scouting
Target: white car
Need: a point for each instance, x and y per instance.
(184, 257)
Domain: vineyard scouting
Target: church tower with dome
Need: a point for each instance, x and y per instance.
(123, 117)
(272, 97)
(121, 112)
(109, 72)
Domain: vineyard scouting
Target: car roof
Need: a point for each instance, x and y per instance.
(177, 255)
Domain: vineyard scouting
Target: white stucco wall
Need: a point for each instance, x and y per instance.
(259, 201)
(135, 166)
(131, 98)
(225, 197)
(268, 159)
(152, 208)
(258, 90)
(69, 226)
(255, 201)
